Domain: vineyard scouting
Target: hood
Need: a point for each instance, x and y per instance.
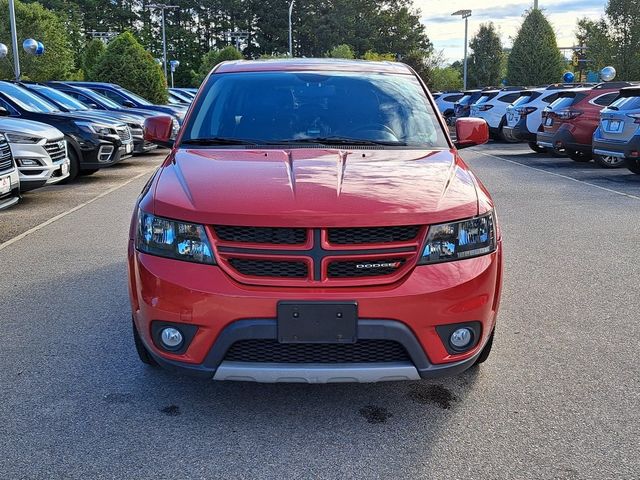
(314, 187)
(119, 117)
(30, 128)
(89, 116)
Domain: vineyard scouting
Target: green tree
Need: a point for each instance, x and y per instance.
(424, 62)
(91, 56)
(341, 51)
(447, 78)
(485, 61)
(535, 58)
(371, 55)
(213, 58)
(624, 18)
(33, 20)
(127, 63)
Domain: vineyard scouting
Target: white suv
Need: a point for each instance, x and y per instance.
(492, 107)
(39, 150)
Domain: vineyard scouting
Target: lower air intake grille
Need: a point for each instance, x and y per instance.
(286, 236)
(363, 351)
(358, 235)
(268, 268)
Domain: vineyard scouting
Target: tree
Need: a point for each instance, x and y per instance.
(91, 56)
(33, 20)
(447, 78)
(624, 18)
(127, 63)
(485, 61)
(424, 62)
(341, 51)
(213, 58)
(535, 58)
(371, 55)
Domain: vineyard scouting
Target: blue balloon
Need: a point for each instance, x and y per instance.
(568, 77)
(40, 49)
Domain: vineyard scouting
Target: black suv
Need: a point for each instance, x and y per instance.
(92, 144)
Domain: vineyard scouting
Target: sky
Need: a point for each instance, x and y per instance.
(447, 32)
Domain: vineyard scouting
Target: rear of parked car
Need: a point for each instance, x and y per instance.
(462, 108)
(618, 134)
(9, 178)
(446, 102)
(492, 107)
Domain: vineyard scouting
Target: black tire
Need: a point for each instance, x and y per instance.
(557, 153)
(633, 164)
(143, 354)
(537, 148)
(74, 165)
(89, 171)
(580, 157)
(608, 161)
(486, 350)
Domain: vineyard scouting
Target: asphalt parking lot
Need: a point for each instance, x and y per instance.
(558, 397)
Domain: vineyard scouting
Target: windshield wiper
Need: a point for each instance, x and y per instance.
(221, 141)
(337, 140)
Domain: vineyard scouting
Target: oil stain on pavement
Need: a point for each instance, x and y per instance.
(375, 414)
(433, 395)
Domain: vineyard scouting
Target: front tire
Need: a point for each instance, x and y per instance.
(608, 161)
(143, 354)
(633, 165)
(537, 148)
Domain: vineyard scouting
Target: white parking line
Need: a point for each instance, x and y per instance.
(77, 207)
(610, 190)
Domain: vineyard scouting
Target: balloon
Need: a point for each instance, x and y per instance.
(30, 46)
(40, 49)
(568, 77)
(607, 74)
(3, 50)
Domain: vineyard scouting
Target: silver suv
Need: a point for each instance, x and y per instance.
(618, 134)
(9, 180)
(39, 151)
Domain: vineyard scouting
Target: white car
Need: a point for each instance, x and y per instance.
(39, 151)
(492, 107)
(446, 101)
(9, 178)
(524, 116)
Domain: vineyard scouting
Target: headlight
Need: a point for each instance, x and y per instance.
(98, 128)
(459, 240)
(172, 239)
(13, 137)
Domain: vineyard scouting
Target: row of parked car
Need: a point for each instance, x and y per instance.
(582, 121)
(52, 132)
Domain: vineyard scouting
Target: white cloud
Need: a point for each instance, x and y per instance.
(447, 32)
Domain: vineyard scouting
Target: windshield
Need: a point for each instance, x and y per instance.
(26, 100)
(285, 107)
(137, 98)
(60, 98)
(564, 101)
(97, 97)
(626, 103)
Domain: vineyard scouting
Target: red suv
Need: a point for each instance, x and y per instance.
(314, 223)
(569, 122)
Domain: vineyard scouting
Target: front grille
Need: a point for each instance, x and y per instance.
(364, 268)
(268, 268)
(136, 132)
(285, 236)
(124, 134)
(363, 351)
(360, 235)
(56, 150)
(6, 160)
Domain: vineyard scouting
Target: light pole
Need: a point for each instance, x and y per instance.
(465, 14)
(162, 7)
(173, 64)
(14, 39)
(291, 28)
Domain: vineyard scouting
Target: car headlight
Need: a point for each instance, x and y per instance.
(13, 137)
(98, 128)
(459, 240)
(173, 239)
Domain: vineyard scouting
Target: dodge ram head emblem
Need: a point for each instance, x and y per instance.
(379, 265)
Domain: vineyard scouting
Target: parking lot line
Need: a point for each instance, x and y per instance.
(71, 210)
(610, 190)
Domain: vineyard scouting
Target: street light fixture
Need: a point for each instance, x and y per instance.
(465, 14)
(163, 7)
(291, 28)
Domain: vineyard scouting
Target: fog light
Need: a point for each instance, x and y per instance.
(461, 338)
(171, 338)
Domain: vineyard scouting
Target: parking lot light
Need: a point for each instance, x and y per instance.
(162, 8)
(465, 14)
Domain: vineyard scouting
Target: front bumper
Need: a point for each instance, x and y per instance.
(140, 145)
(605, 147)
(225, 311)
(7, 199)
(48, 172)
(97, 151)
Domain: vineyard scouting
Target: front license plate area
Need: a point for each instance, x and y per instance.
(317, 322)
(5, 185)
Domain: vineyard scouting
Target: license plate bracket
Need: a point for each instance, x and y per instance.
(317, 322)
(5, 184)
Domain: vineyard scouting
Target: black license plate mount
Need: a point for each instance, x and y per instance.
(317, 322)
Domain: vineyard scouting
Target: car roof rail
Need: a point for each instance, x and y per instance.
(562, 86)
(620, 84)
(512, 88)
(631, 91)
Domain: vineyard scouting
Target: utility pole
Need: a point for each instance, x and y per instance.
(163, 7)
(465, 14)
(535, 4)
(14, 39)
(291, 28)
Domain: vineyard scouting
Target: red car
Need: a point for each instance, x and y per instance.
(569, 122)
(314, 223)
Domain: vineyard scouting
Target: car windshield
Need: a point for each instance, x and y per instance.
(95, 96)
(626, 103)
(26, 100)
(135, 97)
(298, 107)
(61, 98)
(564, 101)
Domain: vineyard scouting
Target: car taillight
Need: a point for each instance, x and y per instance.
(566, 114)
(635, 116)
(484, 108)
(524, 111)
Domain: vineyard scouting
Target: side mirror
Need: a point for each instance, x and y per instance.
(128, 104)
(470, 132)
(159, 130)
(4, 112)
